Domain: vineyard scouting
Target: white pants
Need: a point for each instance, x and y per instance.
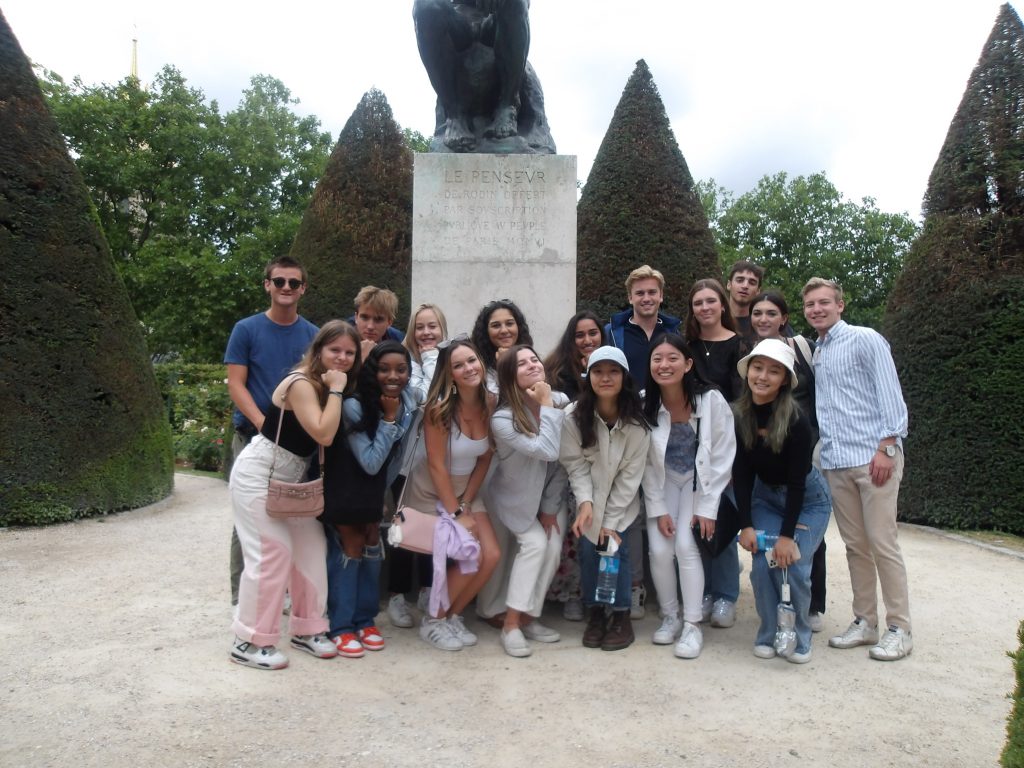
(682, 548)
(534, 565)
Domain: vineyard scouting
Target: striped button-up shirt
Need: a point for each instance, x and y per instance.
(859, 399)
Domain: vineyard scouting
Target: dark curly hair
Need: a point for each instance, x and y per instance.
(482, 340)
(563, 366)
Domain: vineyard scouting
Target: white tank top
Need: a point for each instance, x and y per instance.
(464, 451)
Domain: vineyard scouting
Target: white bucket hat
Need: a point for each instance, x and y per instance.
(773, 349)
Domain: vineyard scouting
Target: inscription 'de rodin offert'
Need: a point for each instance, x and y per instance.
(503, 211)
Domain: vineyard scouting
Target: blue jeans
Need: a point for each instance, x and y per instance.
(767, 506)
(586, 552)
(353, 586)
(722, 573)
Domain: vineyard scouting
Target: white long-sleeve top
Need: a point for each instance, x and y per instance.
(516, 487)
(607, 474)
(712, 421)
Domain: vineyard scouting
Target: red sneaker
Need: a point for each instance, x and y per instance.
(371, 639)
(349, 645)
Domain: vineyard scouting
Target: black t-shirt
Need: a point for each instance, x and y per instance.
(715, 362)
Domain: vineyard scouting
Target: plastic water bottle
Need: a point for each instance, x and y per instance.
(785, 623)
(764, 540)
(607, 577)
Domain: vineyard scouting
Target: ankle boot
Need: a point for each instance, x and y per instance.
(597, 624)
(619, 634)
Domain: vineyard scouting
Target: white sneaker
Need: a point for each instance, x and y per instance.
(573, 609)
(764, 651)
(423, 601)
(723, 615)
(707, 605)
(895, 644)
(669, 630)
(816, 621)
(858, 633)
(458, 628)
(439, 634)
(316, 645)
(540, 633)
(257, 656)
(799, 658)
(515, 643)
(691, 641)
(638, 596)
(398, 612)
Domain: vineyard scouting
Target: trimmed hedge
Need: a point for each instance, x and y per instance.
(1013, 752)
(640, 206)
(84, 430)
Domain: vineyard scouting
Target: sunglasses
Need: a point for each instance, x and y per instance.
(292, 282)
(448, 342)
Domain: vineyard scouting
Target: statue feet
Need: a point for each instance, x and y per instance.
(457, 135)
(505, 123)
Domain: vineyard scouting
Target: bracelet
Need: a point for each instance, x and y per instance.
(337, 392)
(385, 421)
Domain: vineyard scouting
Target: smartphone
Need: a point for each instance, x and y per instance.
(602, 544)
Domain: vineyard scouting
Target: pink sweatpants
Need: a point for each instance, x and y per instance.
(280, 554)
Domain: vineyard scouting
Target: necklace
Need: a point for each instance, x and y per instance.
(707, 352)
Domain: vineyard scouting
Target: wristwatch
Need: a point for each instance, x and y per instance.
(888, 450)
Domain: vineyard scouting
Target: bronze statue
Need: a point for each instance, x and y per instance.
(488, 96)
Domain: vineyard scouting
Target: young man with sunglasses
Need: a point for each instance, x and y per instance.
(261, 351)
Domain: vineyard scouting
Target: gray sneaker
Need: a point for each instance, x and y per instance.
(573, 609)
(816, 621)
(540, 633)
(858, 633)
(638, 596)
(458, 628)
(398, 612)
(894, 645)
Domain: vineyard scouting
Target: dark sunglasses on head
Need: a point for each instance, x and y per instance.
(293, 282)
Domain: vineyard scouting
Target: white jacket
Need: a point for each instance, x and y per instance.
(608, 473)
(518, 483)
(716, 447)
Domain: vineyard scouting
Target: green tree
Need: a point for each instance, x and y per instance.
(956, 314)
(803, 227)
(639, 206)
(84, 427)
(357, 229)
(192, 201)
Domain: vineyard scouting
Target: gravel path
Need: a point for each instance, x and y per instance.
(115, 638)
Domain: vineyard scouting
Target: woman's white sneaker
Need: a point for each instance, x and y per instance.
(691, 642)
(398, 612)
(257, 656)
(439, 634)
(669, 630)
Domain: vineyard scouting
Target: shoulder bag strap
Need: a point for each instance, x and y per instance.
(280, 420)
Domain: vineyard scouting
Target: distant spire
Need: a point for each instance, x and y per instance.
(135, 53)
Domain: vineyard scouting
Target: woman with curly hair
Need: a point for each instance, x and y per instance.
(499, 326)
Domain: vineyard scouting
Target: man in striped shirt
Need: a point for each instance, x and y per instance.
(862, 418)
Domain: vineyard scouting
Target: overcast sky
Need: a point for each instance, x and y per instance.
(863, 91)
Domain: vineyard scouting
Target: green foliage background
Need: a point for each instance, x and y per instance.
(357, 229)
(199, 410)
(84, 431)
(640, 206)
(1013, 752)
(956, 315)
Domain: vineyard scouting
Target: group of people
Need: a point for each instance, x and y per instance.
(539, 467)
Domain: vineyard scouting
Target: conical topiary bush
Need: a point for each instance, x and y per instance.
(84, 429)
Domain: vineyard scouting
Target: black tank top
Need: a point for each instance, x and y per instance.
(293, 437)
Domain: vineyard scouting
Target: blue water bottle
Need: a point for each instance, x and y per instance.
(764, 540)
(607, 573)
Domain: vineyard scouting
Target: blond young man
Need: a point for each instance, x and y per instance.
(376, 309)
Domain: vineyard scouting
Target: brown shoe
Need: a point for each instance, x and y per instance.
(597, 625)
(620, 632)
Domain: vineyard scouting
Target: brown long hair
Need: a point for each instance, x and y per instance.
(692, 326)
(509, 392)
(442, 406)
(313, 367)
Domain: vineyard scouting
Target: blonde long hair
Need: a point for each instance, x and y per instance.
(410, 333)
(443, 400)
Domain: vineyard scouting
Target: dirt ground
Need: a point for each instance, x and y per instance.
(115, 636)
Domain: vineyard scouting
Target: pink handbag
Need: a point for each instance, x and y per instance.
(294, 499)
(411, 529)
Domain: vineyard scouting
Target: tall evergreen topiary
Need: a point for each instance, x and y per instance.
(956, 315)
(640, 206)
(357, 229)
(84, 429)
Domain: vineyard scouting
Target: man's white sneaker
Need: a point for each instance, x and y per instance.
(573, 609)
(691, 641)
(817, 622)
(764, 651)
(895, 644)
(398, 612)
(515, 643)
(669, 630)
(439, 634)
(638, 596)
(423, 601)
(858, 633)
(723, 615)
(799, 658)
(540, 633)
(257, 656)
(316, 645)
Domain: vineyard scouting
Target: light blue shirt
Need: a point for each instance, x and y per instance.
(859, 399)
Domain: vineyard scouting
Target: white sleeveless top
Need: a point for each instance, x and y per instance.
(464, 451)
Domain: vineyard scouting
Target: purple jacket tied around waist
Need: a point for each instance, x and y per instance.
(454, 541)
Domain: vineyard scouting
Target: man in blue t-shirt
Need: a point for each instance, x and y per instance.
(261, 351)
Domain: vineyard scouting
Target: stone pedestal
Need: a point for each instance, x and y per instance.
(496, 227)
